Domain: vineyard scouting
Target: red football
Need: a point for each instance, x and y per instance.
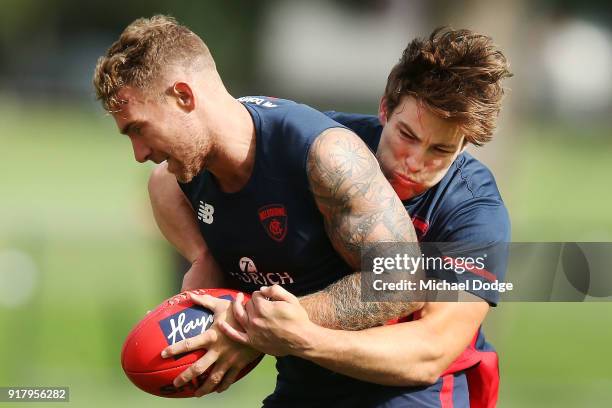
(175, 319)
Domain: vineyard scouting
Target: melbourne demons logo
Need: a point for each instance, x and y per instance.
(273, 218)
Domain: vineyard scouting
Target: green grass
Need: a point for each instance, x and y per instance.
(74, 201)
(558, 188)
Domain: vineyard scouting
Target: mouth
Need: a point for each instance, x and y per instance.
(405, 181)
(160, 160)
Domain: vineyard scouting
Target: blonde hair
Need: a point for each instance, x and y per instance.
(143, 53)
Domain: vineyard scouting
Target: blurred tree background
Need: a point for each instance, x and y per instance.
(81, 259)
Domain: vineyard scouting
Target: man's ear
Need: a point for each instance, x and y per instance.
(184, 95)
(382, 111)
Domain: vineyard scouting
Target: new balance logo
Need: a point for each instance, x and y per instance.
(205, 212)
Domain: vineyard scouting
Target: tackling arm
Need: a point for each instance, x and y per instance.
(404, 354)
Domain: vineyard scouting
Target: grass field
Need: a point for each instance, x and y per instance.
(74, 202)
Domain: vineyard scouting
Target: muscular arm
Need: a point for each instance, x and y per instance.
(404, 354)
(177, 222)
(359, 207)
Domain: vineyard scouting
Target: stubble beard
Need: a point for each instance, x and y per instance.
(193, 161)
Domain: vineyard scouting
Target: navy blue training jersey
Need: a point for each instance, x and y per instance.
(272, 232)
(465, 206)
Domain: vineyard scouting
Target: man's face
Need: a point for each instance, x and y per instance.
(416, 147)
(160, 130)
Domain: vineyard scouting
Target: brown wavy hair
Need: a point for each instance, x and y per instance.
(146, 48)
(457, 74)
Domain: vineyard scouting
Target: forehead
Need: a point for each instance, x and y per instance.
(411, 113)
(131, 103)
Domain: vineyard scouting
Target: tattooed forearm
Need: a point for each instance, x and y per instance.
(339, 307)
(359, 208)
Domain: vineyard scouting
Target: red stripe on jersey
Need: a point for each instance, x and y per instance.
(484, 273)
(414, 316)
(420, 224)
(481, 370)
(446, 393)
(483, 381)
(482, 373)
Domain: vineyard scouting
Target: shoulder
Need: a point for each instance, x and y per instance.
(469, 181)
(475, 177)
(286, 131)
(338, 154)
(367, 127)
(286, 122)
(284, 114)
(470, 203)
(340, 145)
(354, 120)
(341, 169)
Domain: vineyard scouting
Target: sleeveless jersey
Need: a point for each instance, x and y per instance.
(272, 232)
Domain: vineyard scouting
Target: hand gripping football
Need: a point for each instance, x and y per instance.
(174, 320)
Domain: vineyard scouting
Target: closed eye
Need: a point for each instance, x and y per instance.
(132, 128)
(408, 136)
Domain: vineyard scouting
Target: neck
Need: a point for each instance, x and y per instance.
(233, 151)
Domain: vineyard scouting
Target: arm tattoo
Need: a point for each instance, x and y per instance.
(339, 306)
(356, 201)
(359, 207)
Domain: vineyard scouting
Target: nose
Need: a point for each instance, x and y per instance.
(141, 151)
(415, 160)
